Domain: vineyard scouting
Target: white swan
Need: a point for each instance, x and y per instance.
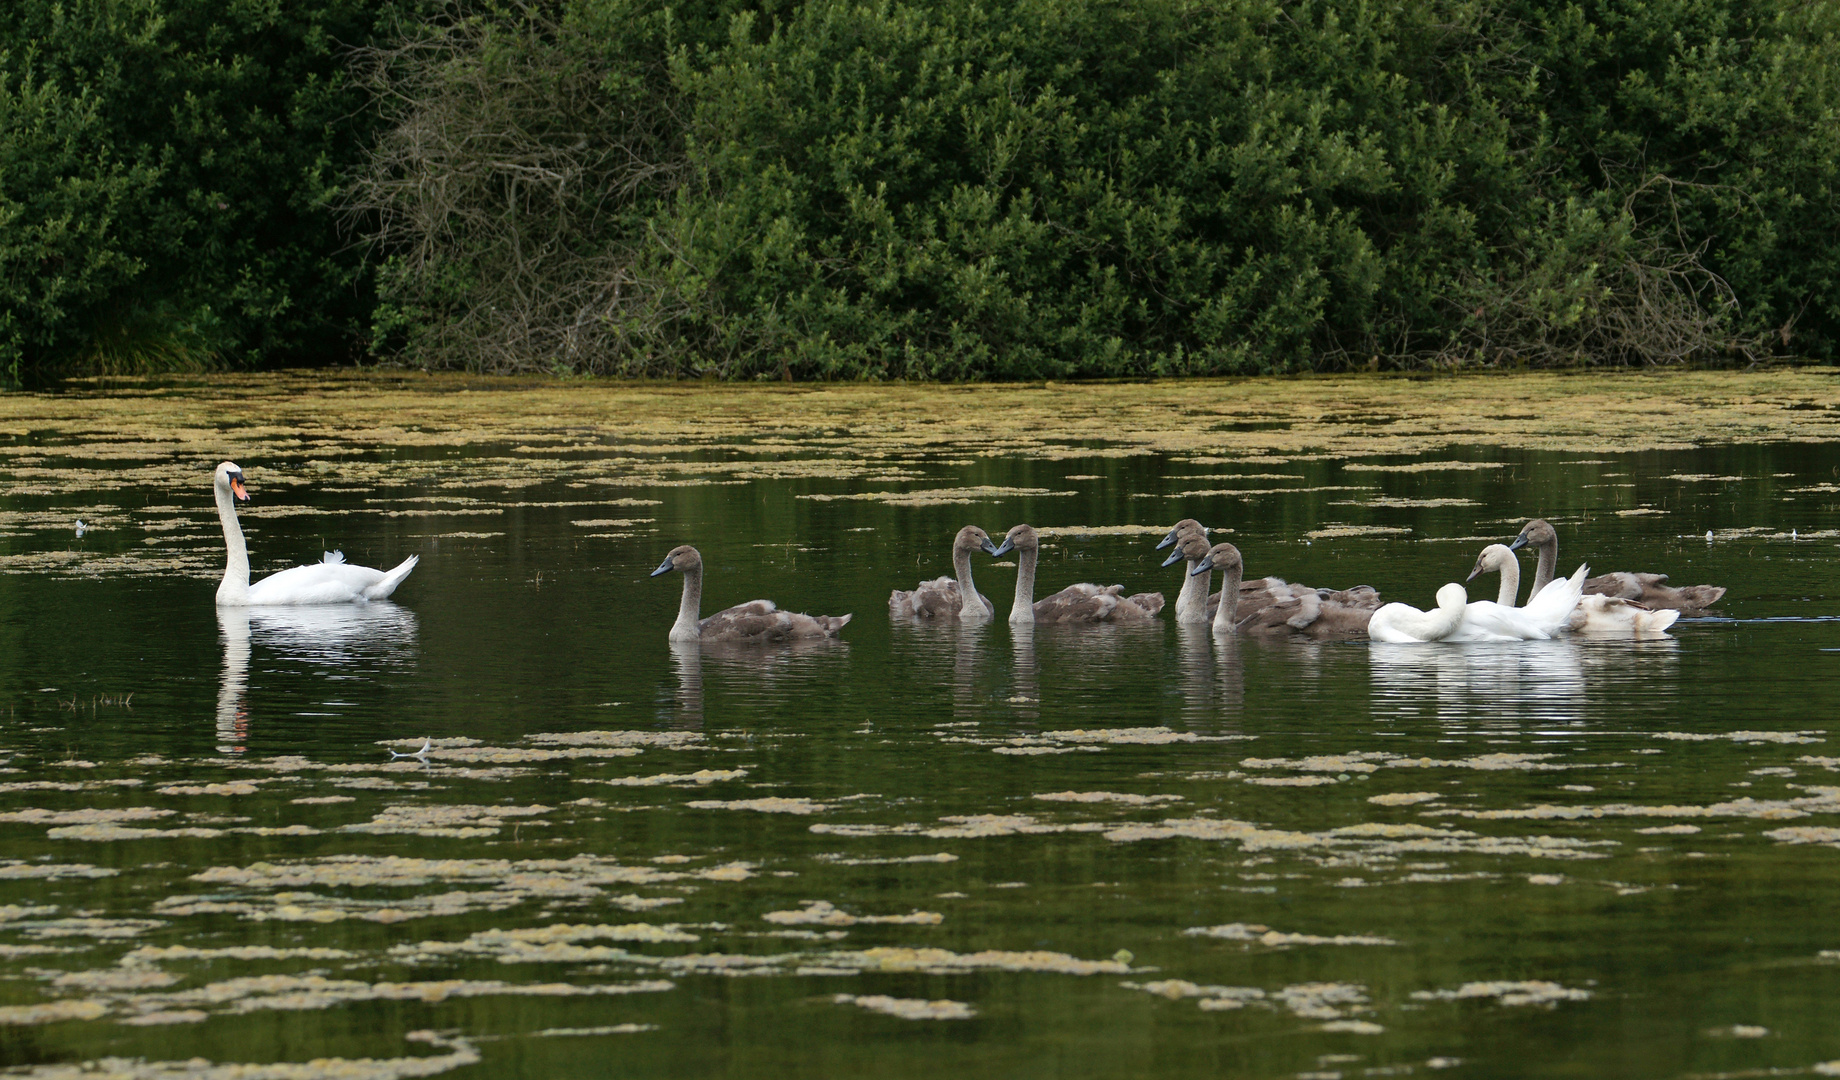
(1547, 614)
(754, 621)
(329, 581)
(1595, 613)
(1401, 624)
(1459, 619)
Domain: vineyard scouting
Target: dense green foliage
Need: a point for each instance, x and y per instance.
(1080, 187)
(164, 166)
(827, 188)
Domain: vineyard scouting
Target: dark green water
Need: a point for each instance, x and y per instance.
(797, 841)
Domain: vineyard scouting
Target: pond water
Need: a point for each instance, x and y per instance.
(919, 850)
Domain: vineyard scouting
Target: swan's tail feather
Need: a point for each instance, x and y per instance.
(332, 558)
(833, 623)
(390, 580)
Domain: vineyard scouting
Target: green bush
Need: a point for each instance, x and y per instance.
(164, 168)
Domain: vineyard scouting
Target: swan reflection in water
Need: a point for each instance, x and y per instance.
(757, 670)
(1501, 684)
(328, 635)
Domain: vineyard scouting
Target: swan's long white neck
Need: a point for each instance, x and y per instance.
(970, 605)
(1510, 583)
(234, 589)
(1191, 602)
(1549, 562)
(1443, 620)
(1022, 608)
(1225, 615)
(687, 627)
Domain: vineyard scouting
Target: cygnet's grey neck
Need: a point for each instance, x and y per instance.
(1225, 615)
(689, 609)
(1022, 608)
(970, 605)
(1191, 601)
(1549, 562)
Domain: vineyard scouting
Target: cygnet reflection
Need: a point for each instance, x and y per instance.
(1025, 672)
(1480, 685)
(747, 671)
(345, 636)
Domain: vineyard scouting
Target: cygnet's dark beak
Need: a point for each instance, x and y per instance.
(1203, 566)
(1473, 573)
(1518, 542)
(237, 488)
(992, 549)
(1167, 540)
(1173, 557)
(664, 567)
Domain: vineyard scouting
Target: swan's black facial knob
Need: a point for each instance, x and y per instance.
(237, 488)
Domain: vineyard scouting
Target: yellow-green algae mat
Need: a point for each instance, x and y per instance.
(238, 914)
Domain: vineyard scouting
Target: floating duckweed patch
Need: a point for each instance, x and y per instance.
(1825, 800)
(1349, 532)
(940, 496)
(1107, 797)
(694, 779)
(448, 819)
(1536, 992)
(1266, 936)
(823, 913)
(909, 1008)
(51, 1012)
(1424, 466)
(770, 805)
(1400, 503)
(1783, 737)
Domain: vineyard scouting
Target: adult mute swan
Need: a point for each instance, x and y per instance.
(1650, 590)
(756, 620)
(332, 580)
(1401, 624)
(1595, 613)
(944, 598)
(1083, 603)
(1547, 614)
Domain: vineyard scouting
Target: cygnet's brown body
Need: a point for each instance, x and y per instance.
(1083, 603)
(943, 598)
(1649, 590)
(756, 620)
(1316, 613)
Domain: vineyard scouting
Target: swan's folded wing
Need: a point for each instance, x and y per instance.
(1151, 603)
(1485, 620)
(1077, 603)
(935, 599)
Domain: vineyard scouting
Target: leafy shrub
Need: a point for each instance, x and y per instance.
(164, 166)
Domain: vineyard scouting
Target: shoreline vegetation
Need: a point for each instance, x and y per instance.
(175, 421)
(818, 190)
